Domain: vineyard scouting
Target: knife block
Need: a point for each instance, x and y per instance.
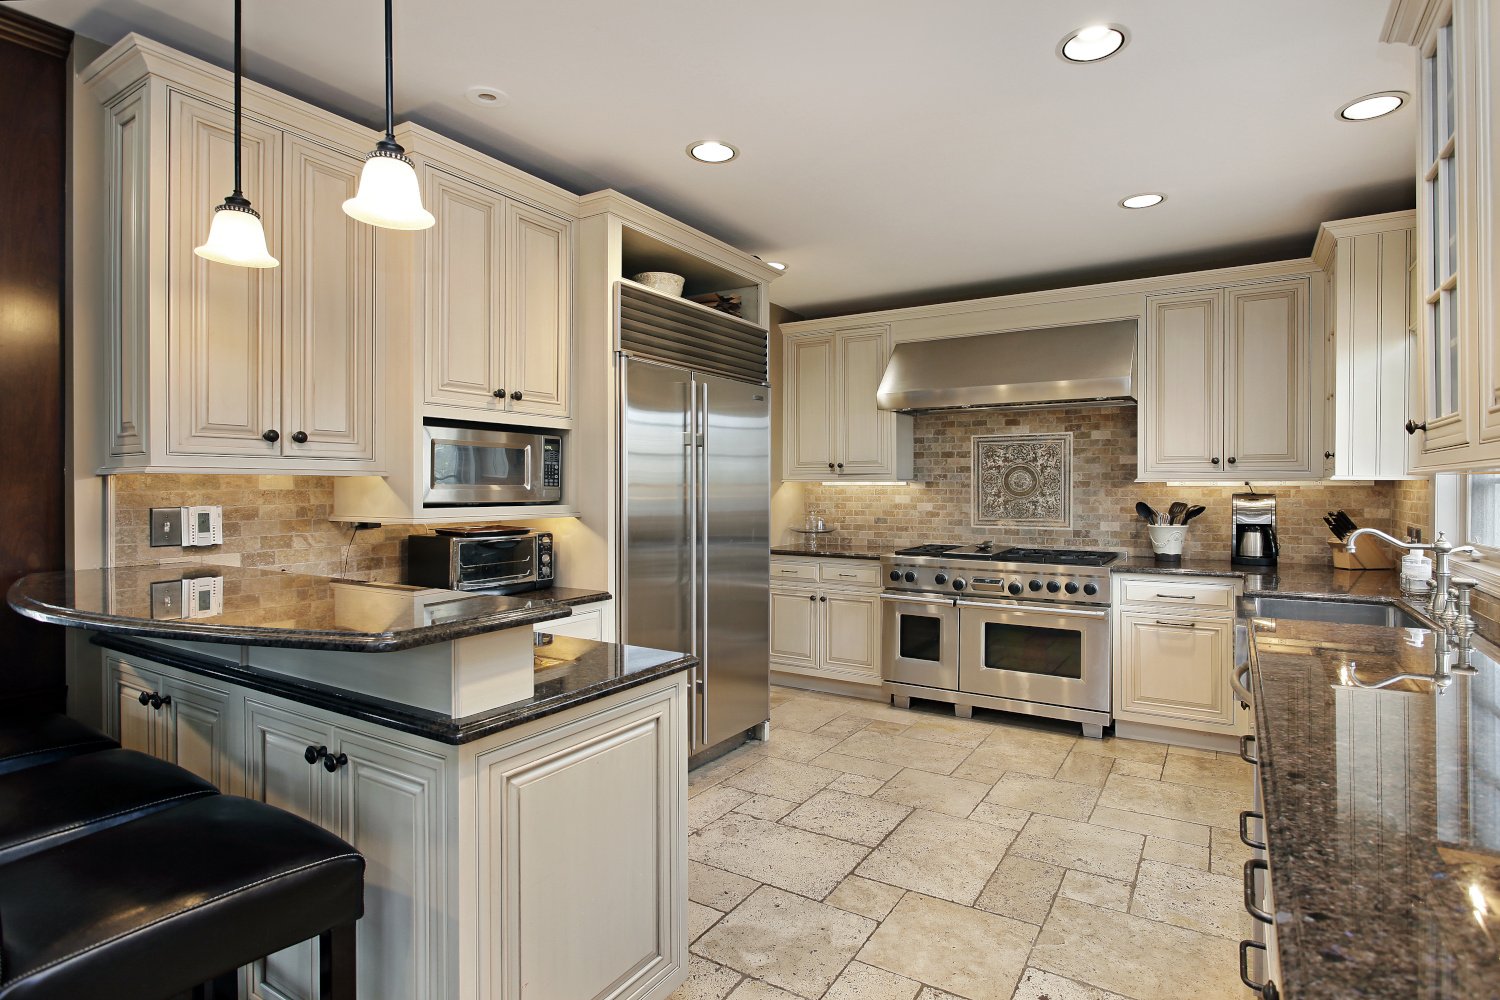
(1370, 553)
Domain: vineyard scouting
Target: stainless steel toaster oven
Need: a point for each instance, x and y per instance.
(500, 564)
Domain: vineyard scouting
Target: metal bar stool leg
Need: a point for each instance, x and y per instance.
(336, 967)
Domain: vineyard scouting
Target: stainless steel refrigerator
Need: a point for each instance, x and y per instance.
(695, 535)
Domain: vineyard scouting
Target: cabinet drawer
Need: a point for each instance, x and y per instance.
(1166, 592)
(794, 570)
(848, 573)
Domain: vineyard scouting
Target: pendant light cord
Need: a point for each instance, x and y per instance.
(238, 193)
(390, 90)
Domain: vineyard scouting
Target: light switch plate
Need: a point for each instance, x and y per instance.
(166, 526)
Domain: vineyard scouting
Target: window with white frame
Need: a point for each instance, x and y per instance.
(1467, 509)
(1479, 510)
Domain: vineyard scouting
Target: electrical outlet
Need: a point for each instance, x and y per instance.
(1413, 533)
(166, 526)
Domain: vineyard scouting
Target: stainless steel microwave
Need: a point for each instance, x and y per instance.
(474, 466)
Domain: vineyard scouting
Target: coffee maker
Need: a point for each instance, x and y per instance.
(1253, 529)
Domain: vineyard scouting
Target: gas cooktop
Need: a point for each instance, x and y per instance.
(986, 551)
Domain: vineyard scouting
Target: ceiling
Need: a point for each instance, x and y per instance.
(892, 153)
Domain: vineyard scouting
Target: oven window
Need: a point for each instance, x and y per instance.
(921, 638)
(1028, 649)
(498, 561)
(477, 465)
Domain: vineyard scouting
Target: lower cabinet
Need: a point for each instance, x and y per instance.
(583, 623)
(193, 724)
(825, 619)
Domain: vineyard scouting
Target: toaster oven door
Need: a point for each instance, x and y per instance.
(493, 562)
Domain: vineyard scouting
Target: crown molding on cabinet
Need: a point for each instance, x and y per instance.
(1408, 22)
(1329, 233)
(34, 33)
(668, 229)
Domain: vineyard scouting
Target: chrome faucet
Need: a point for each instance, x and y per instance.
(1442, 573)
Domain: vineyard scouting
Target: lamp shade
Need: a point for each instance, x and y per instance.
(237, 237)
(389, 195)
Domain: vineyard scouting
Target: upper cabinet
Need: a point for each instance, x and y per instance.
(215, 367)
(831, 428)
(1370, 345)
(1457, 287)
(1227, 379)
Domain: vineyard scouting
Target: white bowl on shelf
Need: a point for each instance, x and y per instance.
(661, 281)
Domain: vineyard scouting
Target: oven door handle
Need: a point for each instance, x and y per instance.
(1039, 608)
(931, 601)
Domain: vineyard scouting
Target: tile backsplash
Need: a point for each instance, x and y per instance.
(936, 506)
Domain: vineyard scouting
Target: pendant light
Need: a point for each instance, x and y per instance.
(236, 236)
(388, 195)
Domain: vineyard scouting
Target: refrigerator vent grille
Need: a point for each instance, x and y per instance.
(685, 333)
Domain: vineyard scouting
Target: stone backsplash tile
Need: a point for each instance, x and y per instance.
(937, 505)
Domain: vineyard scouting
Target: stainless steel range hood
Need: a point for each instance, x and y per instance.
(1092, 363)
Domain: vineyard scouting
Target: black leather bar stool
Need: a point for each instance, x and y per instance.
(50, 804)
(167, 902)
(28, 740)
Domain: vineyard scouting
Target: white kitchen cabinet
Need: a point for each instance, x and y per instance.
(537, 293)
(187, 722)
(831, 427)
(825, 619)
(583, 623)
(1369, 347)
(213, 367)
(1228, 383)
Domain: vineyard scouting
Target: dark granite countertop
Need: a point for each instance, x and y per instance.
(267, 608)
(569, 672)
(1304, 580)
(830, 550)
(1382, 812)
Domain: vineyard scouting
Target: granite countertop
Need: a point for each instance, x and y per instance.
(267, 608)
(569, 672)
(830, 550)
(1303, 580)
(1383, 812)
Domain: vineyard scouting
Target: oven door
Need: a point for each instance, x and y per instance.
(920, 641)
(1055, 656)
(467, 466)
(494, 562)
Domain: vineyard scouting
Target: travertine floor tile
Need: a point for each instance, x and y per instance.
(789, 744)
(1001, 816)
(1136, 957)
(972, 954)
(754, 989)
(784, 779)
(765, 807)
(1153, 826)
(1022, 758)
(857, 765)
(978, 772)
(1137, 750)
(902, 751)
(1199, 901)
(720, 889)
(1039, 985)
(700, 918)
(933, 993)
(849, 817)
(1112, 894)
(1229, 774)
(939, 855)
(712, 803)
(1137, 769)
(1189, 803)
(955, 732)
(1228, 854)
(1174, 853)
(790, 942)
(934, 792)
(804, 714)
(865, 982)
(1097, 850)
(1044, 795)
(887, 727)
(865, 897)
(842, 726)
(1025, 732)
(1021, 888)
(706, 981)
(1085, 768)
(795, 860)
(856, 784)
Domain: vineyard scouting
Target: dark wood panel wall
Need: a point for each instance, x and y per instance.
(33, 220)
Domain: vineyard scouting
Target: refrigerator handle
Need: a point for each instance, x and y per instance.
(701, 554)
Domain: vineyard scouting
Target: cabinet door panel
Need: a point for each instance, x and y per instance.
(867, 435)
(1176, 669)
(465, 322)
(135, 725)
(1183, 409)
(328, 268)
(538, 333)
(198, 731)
(851, 633)
(809, 408)
(225, 367)
(1267, 404)
(794, 626)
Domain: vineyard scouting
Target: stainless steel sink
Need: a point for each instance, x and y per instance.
(1339, 612)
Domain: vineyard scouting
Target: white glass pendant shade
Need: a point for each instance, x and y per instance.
(237, 237)
(389, 195)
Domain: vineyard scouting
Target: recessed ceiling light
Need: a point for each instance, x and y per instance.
(1372, 106)
(776, 265)
(712, 151)
(487, 97)
(1147, 200)
(1092, 43)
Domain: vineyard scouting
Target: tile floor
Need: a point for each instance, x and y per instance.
(872, 853)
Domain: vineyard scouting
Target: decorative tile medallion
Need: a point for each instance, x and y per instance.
(1023, 479)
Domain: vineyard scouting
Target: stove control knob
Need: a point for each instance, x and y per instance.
(895, 574)
(1072, 587)
(960, 583)
(1090, 589)
(1034, 586)
(940, 579)
(1014, 588)
(1053, 586)
(910, 577)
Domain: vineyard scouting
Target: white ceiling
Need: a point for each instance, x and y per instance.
(892, 152)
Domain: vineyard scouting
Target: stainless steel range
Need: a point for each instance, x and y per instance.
(1017, 629)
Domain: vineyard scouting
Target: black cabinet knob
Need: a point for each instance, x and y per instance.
(1412, 426)
(1215, 461)
(516, 394)
(157, 701)
(830, 465)
(1327, 454)
(312, 753)
(300, 437)
(332, 763)
(822, 600)
(166, 699)
(144, 698)
(812, 597)
(499, 393)
(841, 465)
(1231, 460)
(272, 435)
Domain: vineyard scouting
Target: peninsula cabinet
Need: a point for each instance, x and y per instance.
(1457, 297)
(831, 427)
(221, 368)
(1227, 384)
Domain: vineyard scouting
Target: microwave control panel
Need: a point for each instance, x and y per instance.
(552, 463)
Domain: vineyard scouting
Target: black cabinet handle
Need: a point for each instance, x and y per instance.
(272, 435)
(300, 437)
(499, 394)
(1327, 454)
(1245, 742)
(1245, 817)
(1231, 459)
(1215, 461)
(332, 763)
(312, 753)
(156, 701)
(516, 394)
(1251, 907)
(1412, 426)
(144, 698)
(1266, 990)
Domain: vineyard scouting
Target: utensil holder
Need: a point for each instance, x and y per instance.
(1167, 541)
(1370, 553)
